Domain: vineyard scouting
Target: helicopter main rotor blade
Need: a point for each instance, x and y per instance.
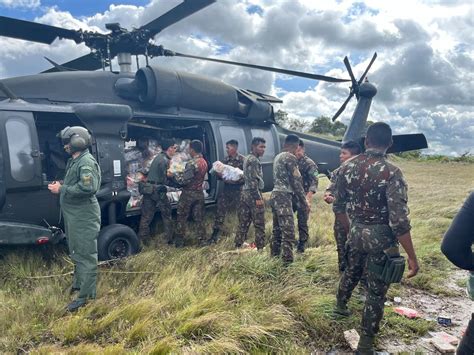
(58, 66)
(367, 69)
(186, 8)
(89, 61)
(351, 74)
(35, 32)
(343, 107)
(261, 67)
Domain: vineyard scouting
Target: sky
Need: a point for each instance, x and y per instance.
(423, 73)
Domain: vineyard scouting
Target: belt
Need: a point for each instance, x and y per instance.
(371, 223)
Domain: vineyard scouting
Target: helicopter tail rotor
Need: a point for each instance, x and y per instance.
(354, 90)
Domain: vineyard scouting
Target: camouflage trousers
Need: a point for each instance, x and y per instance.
(303, 228)
(249, 212)
(150, 204)
(190, 202)
(366, 244)
(341, 238)
(228, 200)
(283, 234)
(466, 346)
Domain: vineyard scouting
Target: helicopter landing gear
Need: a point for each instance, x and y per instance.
(117, 241)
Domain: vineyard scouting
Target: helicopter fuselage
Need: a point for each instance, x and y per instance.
(115, 108)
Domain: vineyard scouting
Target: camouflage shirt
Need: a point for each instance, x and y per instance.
(309, 173)
(194, 174)
(236, 162)
(375, 191)
(158, 169)
(253, 176)
(287, 176)
(332, 185)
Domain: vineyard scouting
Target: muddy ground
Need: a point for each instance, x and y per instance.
(458, 308)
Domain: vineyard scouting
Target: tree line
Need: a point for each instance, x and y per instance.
(321, 125)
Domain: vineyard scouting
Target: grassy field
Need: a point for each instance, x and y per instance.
(216, 300)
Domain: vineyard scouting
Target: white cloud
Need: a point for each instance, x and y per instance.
(28, 4)
(424, 71)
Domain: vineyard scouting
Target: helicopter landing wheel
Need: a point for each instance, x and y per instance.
(117, 241)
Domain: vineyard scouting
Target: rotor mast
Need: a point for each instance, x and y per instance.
(124, 60)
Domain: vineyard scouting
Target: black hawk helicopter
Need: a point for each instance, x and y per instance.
(116, 106)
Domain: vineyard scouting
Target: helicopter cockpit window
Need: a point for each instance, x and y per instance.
(237, 133)
(20, 148)
(270, 143)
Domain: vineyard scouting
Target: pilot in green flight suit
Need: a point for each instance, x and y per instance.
(81, 211)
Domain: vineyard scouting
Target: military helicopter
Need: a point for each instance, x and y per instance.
(117, 106)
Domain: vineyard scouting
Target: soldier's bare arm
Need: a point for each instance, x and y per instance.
(397, 203)
(407, 244)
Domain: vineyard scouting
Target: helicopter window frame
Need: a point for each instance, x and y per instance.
(20, 141)
(232, 133)
(271, 147)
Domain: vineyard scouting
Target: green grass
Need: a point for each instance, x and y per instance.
(214, 300)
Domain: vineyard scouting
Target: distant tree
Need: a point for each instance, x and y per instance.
(321, 125)
(293, 123)
(281, 117)
(338, 128)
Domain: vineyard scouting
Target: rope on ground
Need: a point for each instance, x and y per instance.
(103, 271)
(48, 276)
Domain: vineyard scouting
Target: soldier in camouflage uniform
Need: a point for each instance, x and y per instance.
(229, 197)
(348, 150)
(376, 193)
(252, 206)
(309, 174)
(288, 184)
(81, 212)
(192, 195)
(154, 199)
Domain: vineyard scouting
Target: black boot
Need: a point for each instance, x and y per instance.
(215, 236)
(366, 345)
(300, 247)
(341, 310)
(178, 241)
(75, 305)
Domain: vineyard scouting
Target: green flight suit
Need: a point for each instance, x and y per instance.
(81, 213)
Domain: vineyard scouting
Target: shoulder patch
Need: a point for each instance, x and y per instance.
(86, 179)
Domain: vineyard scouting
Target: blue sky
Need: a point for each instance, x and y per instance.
(77, 8)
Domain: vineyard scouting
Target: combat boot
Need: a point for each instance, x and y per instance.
(75, 305)
(366, 345)
(178, 241)
(341, 310)
(300, 247)
(214, 236)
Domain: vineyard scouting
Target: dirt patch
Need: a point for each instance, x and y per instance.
(458, 308)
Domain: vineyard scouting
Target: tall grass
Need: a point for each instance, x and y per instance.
(215, 299)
